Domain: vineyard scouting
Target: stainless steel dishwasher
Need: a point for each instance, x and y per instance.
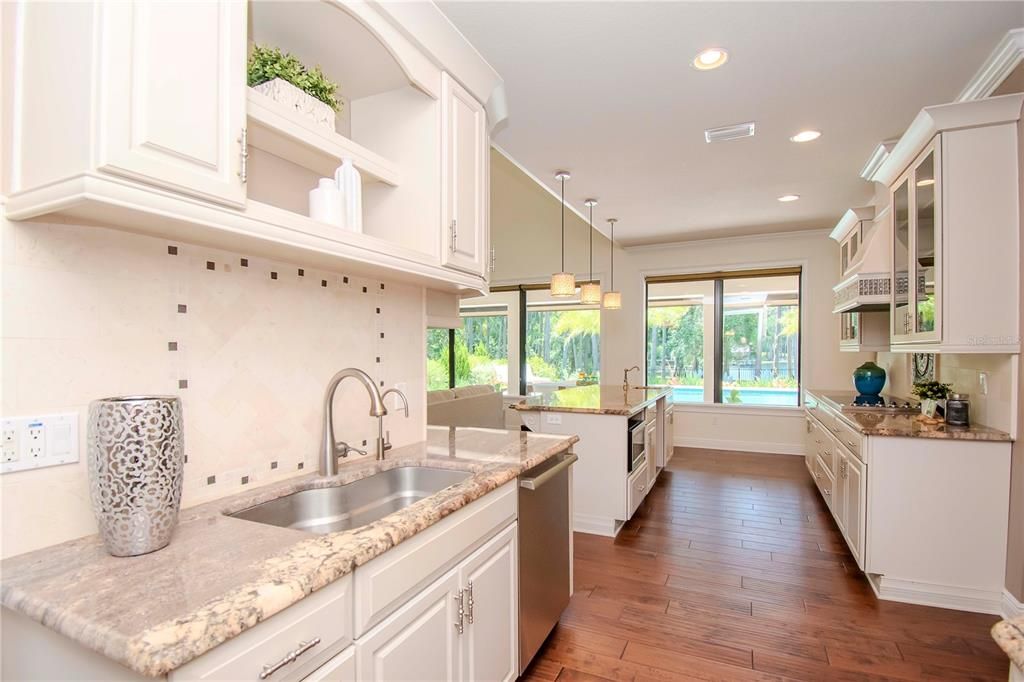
(545, 552)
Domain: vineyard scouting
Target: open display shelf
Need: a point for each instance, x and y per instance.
(273, 128)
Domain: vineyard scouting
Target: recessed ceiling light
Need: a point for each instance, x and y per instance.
(806, 136)
(711, 58)
(789, 197)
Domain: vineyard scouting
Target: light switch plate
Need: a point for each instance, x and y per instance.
(553, 418)
(38, 441)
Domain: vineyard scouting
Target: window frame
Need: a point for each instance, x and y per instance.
(718, 277)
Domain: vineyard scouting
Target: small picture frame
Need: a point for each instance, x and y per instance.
(923, 367)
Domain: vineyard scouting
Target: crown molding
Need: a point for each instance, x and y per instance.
(851, 219)
(1004, 58)
(1008, 53)
(933, 120)
(877, 158)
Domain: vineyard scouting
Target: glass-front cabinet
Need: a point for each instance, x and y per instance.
(916, 251)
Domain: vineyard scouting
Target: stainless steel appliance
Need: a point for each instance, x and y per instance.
(635, 443)
(545, 552)
(851, 402)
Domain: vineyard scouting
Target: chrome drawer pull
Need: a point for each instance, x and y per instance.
(290, 657)
(469, 610)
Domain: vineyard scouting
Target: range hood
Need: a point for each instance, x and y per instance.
(865, 262)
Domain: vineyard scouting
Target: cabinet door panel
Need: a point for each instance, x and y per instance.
(927, 243)
(490, 644)
(417, 642)
(855, 485)
(173, 95)
(901, 312)
(464, 178)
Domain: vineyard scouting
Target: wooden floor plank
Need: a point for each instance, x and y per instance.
(732, 569)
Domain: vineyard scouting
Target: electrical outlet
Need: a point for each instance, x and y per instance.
(553, 418)
(10, 443)
(983, 382)
(38, 441)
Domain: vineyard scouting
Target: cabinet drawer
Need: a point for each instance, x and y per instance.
(849, 437)
(325, 615)
(388, 581)
(636, 489)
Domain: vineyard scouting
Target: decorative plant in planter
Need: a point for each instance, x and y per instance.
(930, 393)
(285, 79)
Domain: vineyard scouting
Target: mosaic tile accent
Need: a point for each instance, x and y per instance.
(250, 367)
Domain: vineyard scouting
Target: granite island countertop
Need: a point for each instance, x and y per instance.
(221, 575)
(903, 425)
(596, 399)
(1009, 635)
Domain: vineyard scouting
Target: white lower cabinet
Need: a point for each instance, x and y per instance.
(462, 627)
(854, 485)
(417, 642)
(490, 642)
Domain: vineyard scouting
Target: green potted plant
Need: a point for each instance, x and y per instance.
(930, 393)
(286, 80)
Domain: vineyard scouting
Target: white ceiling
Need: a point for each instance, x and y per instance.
(605, 90)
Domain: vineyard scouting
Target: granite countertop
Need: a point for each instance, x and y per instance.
(904, 425)
(222, 575)
(597, 399)
(1009, 635)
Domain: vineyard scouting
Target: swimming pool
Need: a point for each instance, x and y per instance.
(747, 395)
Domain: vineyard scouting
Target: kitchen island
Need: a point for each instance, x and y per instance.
(625, 440)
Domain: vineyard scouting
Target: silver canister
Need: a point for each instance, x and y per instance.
(136, 465)
(958, 409)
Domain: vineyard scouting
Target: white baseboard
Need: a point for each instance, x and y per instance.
(1011, 606)
(740, 445)
(596, 525)
(942, 596)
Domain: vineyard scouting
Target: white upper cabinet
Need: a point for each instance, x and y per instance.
(464, 193)
(955, 186)
(917, 223)
(122, 112)
(172, 112)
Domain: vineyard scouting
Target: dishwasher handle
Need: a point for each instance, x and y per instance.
(537, 481)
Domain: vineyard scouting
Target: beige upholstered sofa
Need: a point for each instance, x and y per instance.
(466, 406)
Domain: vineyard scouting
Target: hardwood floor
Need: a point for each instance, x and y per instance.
(734, 570)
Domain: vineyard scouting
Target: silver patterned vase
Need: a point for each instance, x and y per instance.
(136, 464)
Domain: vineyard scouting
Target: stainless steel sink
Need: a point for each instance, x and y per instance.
(328, 510)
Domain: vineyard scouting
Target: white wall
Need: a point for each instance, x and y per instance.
(823, 366)
(88, 312)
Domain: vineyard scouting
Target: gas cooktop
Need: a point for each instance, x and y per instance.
(852, 402)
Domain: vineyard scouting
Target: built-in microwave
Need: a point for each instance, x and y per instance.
(636, 443)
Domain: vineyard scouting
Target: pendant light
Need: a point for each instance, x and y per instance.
(612, 298)
(590, 292)
(563, 284)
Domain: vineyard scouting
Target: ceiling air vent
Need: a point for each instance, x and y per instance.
(726, 133)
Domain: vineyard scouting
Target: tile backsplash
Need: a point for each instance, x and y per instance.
(247, 343)
(994, 409)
